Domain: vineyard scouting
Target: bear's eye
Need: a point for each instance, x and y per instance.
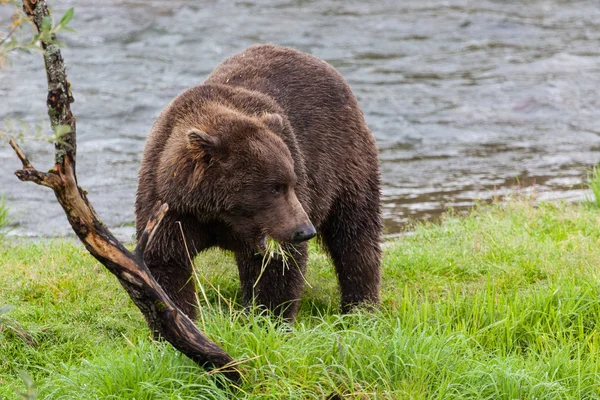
(277, 189)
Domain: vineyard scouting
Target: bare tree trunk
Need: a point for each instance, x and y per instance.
(163, 317)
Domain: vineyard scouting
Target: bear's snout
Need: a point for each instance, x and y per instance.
(304, 232)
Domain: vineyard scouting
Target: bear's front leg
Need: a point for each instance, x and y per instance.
(169, 258)
(277, 286)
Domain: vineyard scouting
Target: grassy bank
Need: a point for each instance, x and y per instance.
(500, 304)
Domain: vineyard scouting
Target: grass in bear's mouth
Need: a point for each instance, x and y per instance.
(275, 250)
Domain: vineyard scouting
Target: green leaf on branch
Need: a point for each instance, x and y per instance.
(61, 130)
(67, 29)
(66, 18)
(46, 24)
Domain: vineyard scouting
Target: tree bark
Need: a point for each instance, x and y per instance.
(163, 317)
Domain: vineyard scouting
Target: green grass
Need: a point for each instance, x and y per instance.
(503, 303)
(594, 184)
(3, 214)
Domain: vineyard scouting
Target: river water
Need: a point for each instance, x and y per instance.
(466, 99)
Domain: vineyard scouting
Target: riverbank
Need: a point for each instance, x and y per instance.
(502, 303)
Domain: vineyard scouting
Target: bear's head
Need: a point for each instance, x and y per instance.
(237, 169)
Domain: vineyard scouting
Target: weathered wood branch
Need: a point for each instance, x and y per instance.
(163, 317)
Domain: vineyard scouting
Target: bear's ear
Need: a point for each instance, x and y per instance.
(273, 121)
(203, 141)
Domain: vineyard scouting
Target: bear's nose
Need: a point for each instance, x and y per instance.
(304, 232)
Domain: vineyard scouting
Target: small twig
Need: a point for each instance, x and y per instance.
(10, 32)
(30, 174)
(20, 154)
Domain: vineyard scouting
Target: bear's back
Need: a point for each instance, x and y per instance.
(336, 144)
(308, 89)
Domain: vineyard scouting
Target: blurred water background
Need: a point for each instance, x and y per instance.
(467, 99)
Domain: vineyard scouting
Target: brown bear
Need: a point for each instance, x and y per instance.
(273, 144)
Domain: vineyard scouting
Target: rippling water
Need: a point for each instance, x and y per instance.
(466, 98)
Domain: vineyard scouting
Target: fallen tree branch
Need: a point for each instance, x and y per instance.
(163, 317)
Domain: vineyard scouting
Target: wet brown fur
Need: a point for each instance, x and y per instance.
(267, 118)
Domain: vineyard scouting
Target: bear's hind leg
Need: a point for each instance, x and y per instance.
(352, 235)
(276, 286)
